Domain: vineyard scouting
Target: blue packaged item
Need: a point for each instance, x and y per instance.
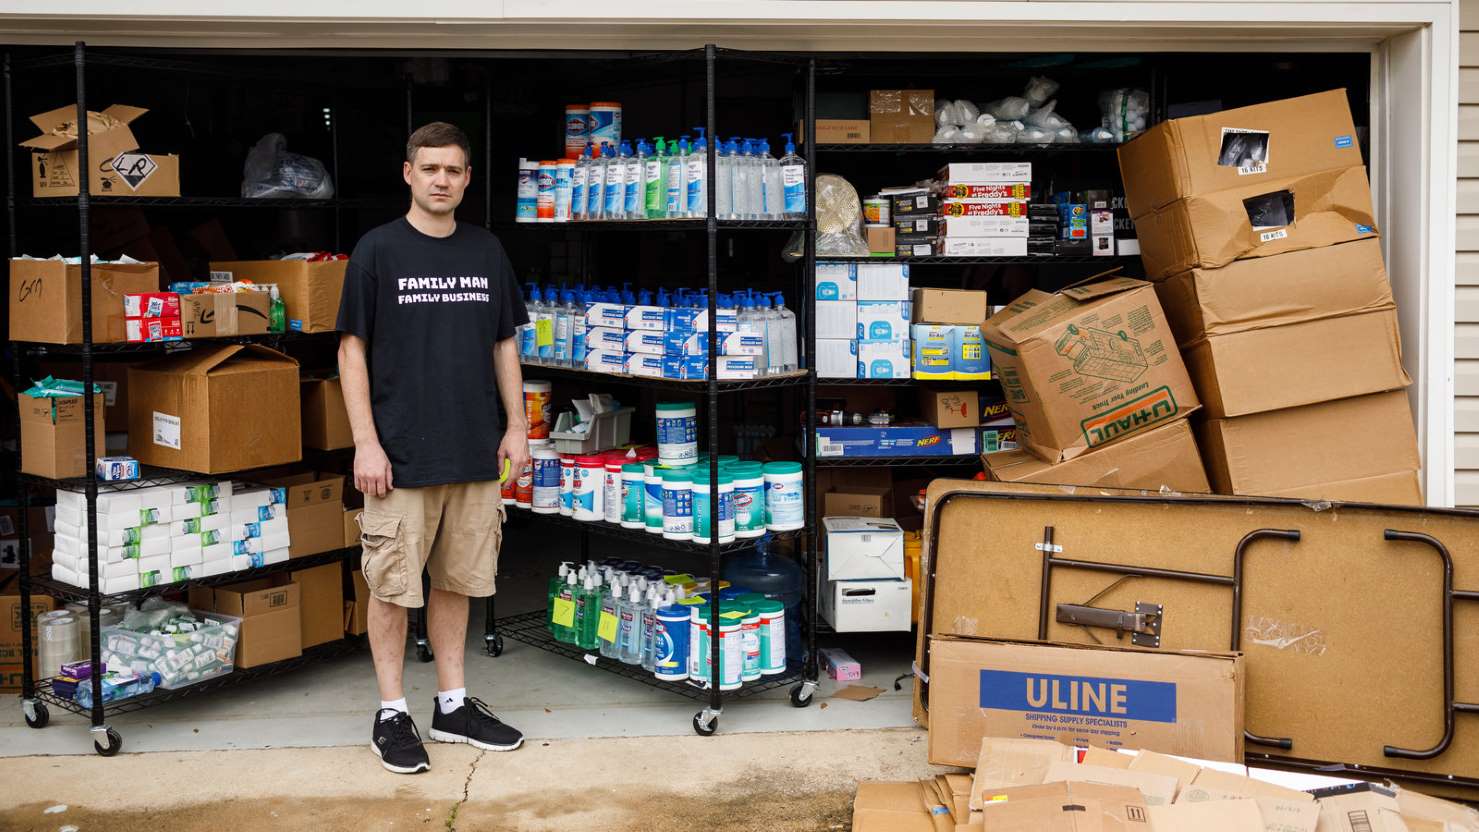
(837, 281)
(883, 358)
(117, 468)
(895, 440)
(881, 320)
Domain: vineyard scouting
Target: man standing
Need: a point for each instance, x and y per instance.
(427, 347)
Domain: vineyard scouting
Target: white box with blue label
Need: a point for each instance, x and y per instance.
(646, 342)
(837, 319)
(729, 343)
(610, 339)
(837, 280)
(895, 440)
(1189, 704)
(883, 281)
(613, 315)
(880, 320)
(883, 358)
(606, 361)
(837, 358)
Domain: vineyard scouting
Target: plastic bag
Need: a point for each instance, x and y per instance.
(271, 172)
(1099, 135)
(948, 134)
(1035, 135)
(1000, 133)
(1039, 89)
(967, 111)
(985, 119)
(1125, 112)
(1068, 134)
(839, 219)
(1010, 108)
(1045, 118)
(974, 133)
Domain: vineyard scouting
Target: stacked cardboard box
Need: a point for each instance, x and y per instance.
(972, 209)
(153, 536)
(46, 298)
(868, 589)
(862, 325)
(1085, 371)
(946, 334)
(1256, 223)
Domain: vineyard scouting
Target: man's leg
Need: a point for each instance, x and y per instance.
(446, 626)
(387, 625)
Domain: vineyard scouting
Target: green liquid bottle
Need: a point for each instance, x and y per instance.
(655, 180)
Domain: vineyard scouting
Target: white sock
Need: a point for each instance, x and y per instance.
(450, 700)
(395, 705)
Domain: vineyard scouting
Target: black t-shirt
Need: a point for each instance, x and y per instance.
(430, 310)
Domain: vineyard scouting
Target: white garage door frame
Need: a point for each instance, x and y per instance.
(1414, 83)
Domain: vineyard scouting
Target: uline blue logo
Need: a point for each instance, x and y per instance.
(1079, 695)
(1343, 142)
(1363, 229)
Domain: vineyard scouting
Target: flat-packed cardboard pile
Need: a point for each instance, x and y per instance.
(1256, 225)
(1096, 387)
(1022, 785)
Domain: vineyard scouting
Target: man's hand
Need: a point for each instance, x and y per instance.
(515, 449)
(372, 474)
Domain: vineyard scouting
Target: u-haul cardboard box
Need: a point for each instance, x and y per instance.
(1188, 704)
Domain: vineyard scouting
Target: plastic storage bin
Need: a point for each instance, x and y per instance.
(610, 430)
(180, 659)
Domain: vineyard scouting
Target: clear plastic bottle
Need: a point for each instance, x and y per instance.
(595, 186)
(793, 181)
(696, 183)
(776, 577)
(546, 322)
(629, 627)
(724, 183)
(563, 345)
(675, 201)
(579, 181)
(649, 630)
(528, 351)
(610, 593)
(588, 613)
(616, 172)
(741, 167)
(655, 180)
(775, 191)
(566, 634)
(556, 581)
(636, 165)
(790, 349)
(755, 181)
(578, 328)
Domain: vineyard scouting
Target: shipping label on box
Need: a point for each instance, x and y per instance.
(837, 281)
(1187, 704)
(881, 320)
(1086, 366)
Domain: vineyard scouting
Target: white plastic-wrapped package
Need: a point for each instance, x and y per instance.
(1035, 135)
(1000, 133)
(967, 111)
(1010, 108)
(947, 134)
(1126, 112)
(1099, 135)
(839, 219)
(974, 133)
(1039, 90)
(1045, 118)
(985, 119)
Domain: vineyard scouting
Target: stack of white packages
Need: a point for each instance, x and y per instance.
(153, 536)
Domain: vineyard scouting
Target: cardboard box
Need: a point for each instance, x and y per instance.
(883, 320)
(1065, 807)
(1190, 704)
(321, 603)
(325, 417)
(883, 282)
(985, 226)
(950, 408)
(892, 807)
(1369, 810)
(54, 437)
(1280, 367)
(901, 116)
(214, 410)
(837, 358)
(46, 299)
(867, 606)
(1325, 451)
(841, 131)
(1087, 366)
(949, 306)
(359, 612)
(1165, 457)
(985, 173)
(315, 508)
(883, 358)
(11, 654)
(310, 291)
(271, 623)
(117, 169)
(110, 376)
(220, 314)
(1189, 157)
(1281, 215)
(880, 239)
(837, 319)
(837, 281)
(983, 247)
(858, 501)
(950, 351)
(895, 440)
(1241, 815)
(1264, 292)
(859, 548)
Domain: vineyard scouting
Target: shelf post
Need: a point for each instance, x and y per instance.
(716, 696)
(811, 535)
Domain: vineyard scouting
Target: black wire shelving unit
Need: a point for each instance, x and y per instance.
(953, 461)
(972, 149)
(532, 628)
(644, 538)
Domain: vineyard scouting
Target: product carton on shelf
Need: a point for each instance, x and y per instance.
(1087, 366)
(321, 603)
(858, 501)
(310, 290)
(53, 434)
(271, 624)
(859, 548)
(883, 357)
(837, 319)
(325, 417)
(225, 314)
(11, 655)
(883, 281)
(837, 358)
(118, 169)
(1308, 452)
(46, 299)
(949, 306)
(1163, 458)
(1189, 157)
(315, 512)
(212, 410)
(1178, 703)
(950, 408)
(901, 116)
(836, 280)
(1257, 220)
(875, 605)
(895, 440)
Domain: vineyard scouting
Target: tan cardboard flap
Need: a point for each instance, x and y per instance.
(1360, 812)
(1066, 807)
(1157, 789)
(1280, 814)
(1223, 816)
(1154, 763)
(1165, 457)
(1008, 762)
(890, 807)
(1096, 756)
(1101, 285)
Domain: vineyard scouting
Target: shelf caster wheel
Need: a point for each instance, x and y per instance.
(706, 723)
(37, 716)
(801, 695)
(423, 652)
(115, 741)
(494, 645)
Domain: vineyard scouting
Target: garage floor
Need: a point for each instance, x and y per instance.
(546, 696)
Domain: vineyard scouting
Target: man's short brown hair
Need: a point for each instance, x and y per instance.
(438, 134)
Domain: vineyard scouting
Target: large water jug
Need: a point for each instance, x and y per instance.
(774, 576)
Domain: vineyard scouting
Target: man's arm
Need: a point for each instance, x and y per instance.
(372, 473)
(515, 445)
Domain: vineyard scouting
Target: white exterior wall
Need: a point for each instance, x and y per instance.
(1415, 117)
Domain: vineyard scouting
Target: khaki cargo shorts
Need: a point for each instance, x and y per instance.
(453, 531)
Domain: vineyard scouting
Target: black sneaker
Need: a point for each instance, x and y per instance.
(475, 725)
(398, 744)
